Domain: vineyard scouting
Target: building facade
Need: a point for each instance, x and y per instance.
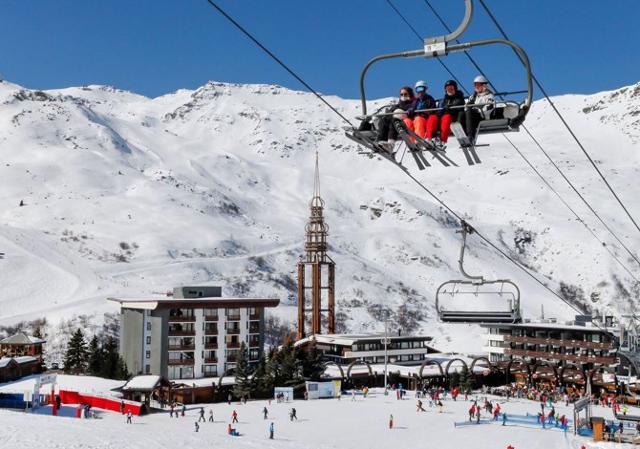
(344, 349)
(20, 345)
(576, 344)
(192, 333)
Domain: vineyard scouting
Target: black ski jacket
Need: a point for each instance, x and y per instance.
(448, 101)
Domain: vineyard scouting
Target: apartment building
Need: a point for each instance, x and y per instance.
(190, 333)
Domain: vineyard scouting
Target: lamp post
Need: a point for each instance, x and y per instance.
(385, 342)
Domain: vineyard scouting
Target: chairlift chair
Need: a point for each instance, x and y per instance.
(465, 300)
(508, 115)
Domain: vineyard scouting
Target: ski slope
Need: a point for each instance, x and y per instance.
(321, 424)
(126, 195)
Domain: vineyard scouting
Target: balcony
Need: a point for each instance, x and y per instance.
(182, 347)
(232, 358)
(233, 317)
(182, 319)
(568, 357)
(233, 344)
(181, 333)
(254, 341)
(561, 343)
(254, 316)
(211, 346)
(210, 360)
(233, 330)
(211, 331)
(254, 328)
(181, 362)
(211, 317)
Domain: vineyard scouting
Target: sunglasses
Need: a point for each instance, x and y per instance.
(404, 94)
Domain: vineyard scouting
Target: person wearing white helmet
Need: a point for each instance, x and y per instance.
(482, 102)
(423, 101)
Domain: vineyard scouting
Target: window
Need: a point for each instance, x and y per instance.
(211, 314)
(210, 370)
(148, 325)
(148, 354)
(148, 340)
(147, 369)
(254, 354)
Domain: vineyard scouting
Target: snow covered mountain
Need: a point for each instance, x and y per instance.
(126, 195)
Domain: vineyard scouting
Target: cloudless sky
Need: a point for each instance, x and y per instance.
(156, 47)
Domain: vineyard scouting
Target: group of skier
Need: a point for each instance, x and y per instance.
(431, 120)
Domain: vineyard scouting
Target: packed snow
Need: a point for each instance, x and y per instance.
(321, 424)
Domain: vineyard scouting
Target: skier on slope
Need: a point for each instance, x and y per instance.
(265, 413)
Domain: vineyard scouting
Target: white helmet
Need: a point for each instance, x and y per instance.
(421, 84)
(480, 79)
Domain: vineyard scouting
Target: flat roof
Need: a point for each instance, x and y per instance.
(350, 339)
(551, 326)
(162, 302)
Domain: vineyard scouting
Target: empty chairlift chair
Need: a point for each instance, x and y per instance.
(475, 299)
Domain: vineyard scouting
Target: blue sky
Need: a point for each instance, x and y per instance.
(155, 47)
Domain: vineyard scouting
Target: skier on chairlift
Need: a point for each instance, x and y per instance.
(421, 119)
(441, 121)
(484, 102)
(387, 133)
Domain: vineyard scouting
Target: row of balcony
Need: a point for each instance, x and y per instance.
(192, 318)
(190, 333)
(556, 356)
(558, 342)
(230, 344)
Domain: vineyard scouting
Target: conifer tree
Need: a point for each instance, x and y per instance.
(312, 365)
(243, 386)
(96, 356)
(75, 359)
(113, 366)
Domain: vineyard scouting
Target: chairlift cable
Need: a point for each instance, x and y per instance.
(607, 227)
(564, 122)
(404, 19)
(278, 60)
(405, 171)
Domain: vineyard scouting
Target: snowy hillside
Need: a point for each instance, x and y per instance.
(126, 195)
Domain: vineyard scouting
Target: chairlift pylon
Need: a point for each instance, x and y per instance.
(464, 300)
(507, 115)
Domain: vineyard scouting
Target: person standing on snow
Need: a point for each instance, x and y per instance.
(197, 426)
(271, 431)
(234, 417)
(129, 417)
(265, 413)
(202, 415)
(211, 415)
(390, 421)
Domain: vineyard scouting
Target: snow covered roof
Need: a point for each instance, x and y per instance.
(350, 339)
(21, 339)
(146, 382)
(25, 359)
(5, 361)
(152, 303)
(556, 326)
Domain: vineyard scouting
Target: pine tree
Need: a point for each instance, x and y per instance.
(113, 367)
(244, 385)
(95, 357)
(75, 359)
(289, 363)
(262, 381)
(312, 365)
(466, 379)
(454, 381)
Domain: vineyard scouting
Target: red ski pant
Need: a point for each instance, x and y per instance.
(411, 125)
(434, 122)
